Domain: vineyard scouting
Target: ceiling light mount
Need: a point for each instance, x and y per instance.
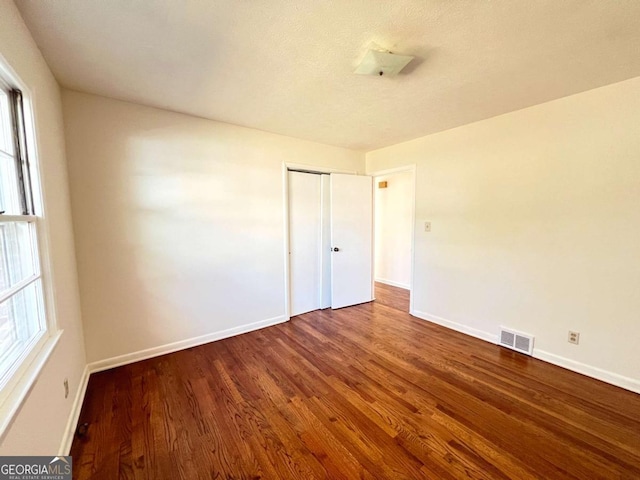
(381, 62)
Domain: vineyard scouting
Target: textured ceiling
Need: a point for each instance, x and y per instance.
(285, 66)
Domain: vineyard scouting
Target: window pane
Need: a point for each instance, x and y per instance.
(16, 254)
(6, 138)
(20, 322)
(9, 198)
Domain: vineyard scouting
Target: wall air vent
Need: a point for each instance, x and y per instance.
(520, 342)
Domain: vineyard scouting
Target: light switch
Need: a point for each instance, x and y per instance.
(427, 226)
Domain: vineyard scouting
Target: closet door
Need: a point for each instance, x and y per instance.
(325, 248)
(304, 242)
(351, 240)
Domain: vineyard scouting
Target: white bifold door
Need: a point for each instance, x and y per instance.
(351, 240)
(330, 241)
(305, 242)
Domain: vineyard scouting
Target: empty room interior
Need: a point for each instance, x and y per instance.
(320, 239)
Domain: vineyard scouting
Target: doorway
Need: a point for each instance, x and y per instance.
(394, 220)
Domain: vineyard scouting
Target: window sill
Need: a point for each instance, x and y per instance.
(26, 378)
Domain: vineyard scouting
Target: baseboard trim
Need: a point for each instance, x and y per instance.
(74, 415)
(594, 372)
(406, 286)
(615, 379)
(127, 358)
(458, 327)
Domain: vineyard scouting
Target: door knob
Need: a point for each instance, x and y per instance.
(336, 249)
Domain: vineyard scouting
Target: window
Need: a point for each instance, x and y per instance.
(22, 317)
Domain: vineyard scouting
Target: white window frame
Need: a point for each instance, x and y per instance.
(29, 366)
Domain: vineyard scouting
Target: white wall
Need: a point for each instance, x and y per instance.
(179, 222)
(536, 226)
(39, 427)
(393, 222)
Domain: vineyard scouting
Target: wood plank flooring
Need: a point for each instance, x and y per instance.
(363, 392)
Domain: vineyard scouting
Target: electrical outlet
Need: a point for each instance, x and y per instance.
(66, 387)
(427, 226)
(574, 337)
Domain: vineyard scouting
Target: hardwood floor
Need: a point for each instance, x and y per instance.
(362, 392)
(396, 298)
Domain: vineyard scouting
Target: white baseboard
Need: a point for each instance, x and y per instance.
(406, 286)
(127, 358)
(458, 327)
(594, 372)
(74, 416)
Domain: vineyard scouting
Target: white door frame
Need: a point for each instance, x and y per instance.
(286, 166)
(412, 169)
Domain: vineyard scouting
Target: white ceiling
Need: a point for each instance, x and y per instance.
(285, 66)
